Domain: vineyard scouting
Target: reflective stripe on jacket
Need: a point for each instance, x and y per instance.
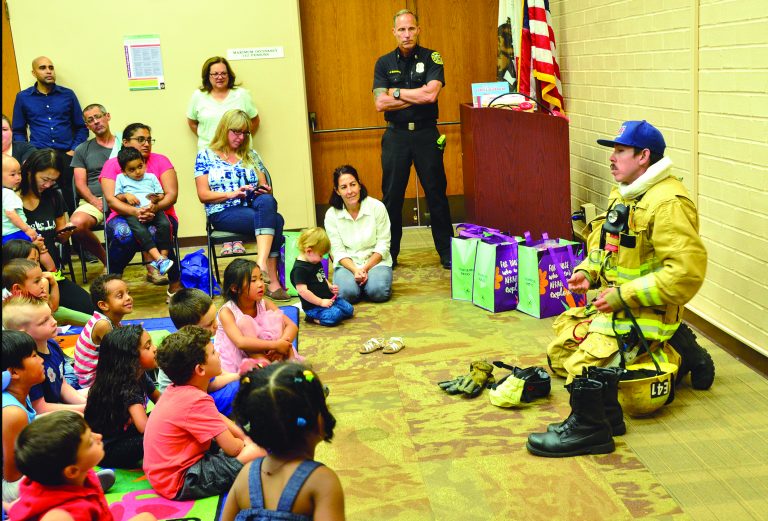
(663, 270)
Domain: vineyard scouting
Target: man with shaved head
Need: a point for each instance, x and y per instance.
(53, 116)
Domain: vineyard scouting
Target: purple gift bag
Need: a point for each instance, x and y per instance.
(544, 269)
(495, 278)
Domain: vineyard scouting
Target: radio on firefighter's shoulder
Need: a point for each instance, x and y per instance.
(617, 219)
(616, 222)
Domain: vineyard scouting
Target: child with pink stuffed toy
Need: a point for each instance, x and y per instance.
(251, 331)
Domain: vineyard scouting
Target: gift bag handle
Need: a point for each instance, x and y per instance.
(529, 238)
(474, 231)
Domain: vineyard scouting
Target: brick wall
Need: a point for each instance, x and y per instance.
(698, 70)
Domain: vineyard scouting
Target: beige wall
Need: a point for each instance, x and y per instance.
(695, 68)
(698, 70)
(84, 39)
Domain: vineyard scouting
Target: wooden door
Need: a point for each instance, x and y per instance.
(342, 41)
(465, 35)
(10, 72)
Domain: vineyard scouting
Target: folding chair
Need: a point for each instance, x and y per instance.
(65, 254)
(98, 227)
(141, 257)
(215, 238)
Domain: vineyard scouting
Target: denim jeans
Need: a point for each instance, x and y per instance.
(260, 218)
(123, 246)
(378, 288)
(333, 315)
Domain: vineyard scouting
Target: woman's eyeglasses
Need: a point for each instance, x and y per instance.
(238, 133)
(218, 74)
(141, 140)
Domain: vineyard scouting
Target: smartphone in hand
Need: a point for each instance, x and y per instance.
(66, 229)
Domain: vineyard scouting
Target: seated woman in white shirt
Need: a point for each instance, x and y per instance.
(359, 229)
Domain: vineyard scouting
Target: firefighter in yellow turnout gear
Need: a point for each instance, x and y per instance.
(645, 255)
(646, 261)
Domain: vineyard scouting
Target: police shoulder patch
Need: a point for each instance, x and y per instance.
(437, 58)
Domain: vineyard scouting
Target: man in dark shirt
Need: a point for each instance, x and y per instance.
(406, 83)
(53, 116)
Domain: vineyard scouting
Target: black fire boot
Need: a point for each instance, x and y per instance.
(609, 377)
(695, 359)
(558, 427)
(586, 432)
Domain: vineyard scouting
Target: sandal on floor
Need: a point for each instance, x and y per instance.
(393, 345)
(371, 345)
(226, 249)
(237, 247)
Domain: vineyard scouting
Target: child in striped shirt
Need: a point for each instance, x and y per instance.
(113, 301)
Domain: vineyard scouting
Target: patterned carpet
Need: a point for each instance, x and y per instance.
(404, 450)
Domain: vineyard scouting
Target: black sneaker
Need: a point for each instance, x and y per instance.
(445, 260)
(90, 258)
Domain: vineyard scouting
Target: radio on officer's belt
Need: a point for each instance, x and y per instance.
(441, 142)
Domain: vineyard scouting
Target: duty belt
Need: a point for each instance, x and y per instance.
(412, 125)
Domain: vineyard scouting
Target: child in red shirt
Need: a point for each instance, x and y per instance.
(57, 453)
(180, 459)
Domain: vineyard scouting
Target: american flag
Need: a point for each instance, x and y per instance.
(537, 54)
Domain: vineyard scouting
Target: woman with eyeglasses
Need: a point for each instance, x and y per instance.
(217, 95)
(46, 213)
(122, 244)
(236, 188)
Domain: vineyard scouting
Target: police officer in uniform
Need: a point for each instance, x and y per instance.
(406, 83)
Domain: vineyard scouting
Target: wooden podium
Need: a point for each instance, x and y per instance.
(516, 171)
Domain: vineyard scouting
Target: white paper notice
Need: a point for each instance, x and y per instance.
(144, 62)
(255, 53)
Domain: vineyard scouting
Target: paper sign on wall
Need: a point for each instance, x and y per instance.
(144, 62)
(255, 53)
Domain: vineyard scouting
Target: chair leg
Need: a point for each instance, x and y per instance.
(106, 245)
(65, 257)
(215, 267)
(210, 266)
(177, 250)
(82, 264)
(72, 269)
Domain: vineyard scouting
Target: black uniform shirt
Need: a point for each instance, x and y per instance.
(396, 71)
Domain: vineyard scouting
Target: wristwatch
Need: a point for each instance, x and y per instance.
(396, 93)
